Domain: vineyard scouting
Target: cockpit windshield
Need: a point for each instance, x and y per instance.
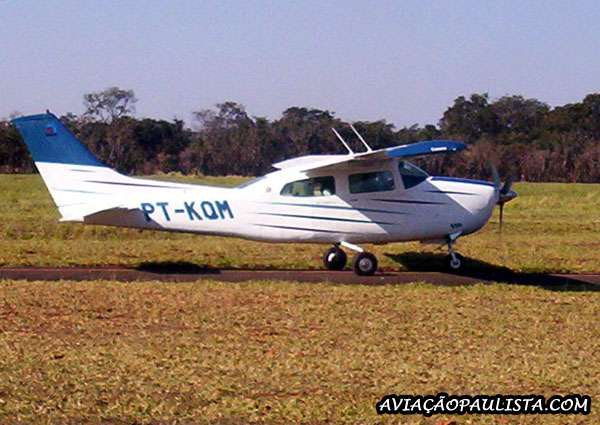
(411, 174)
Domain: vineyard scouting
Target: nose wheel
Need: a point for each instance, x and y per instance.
(454, 262)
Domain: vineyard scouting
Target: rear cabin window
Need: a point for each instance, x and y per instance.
(377, 181)
(317, 186)
(411, 174)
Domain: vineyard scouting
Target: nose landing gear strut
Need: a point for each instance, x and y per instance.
(454, 262)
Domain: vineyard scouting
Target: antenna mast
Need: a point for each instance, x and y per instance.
(361, 139)
(342, 140)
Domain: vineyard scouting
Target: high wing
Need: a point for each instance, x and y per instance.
(426, 148)
(338, 162)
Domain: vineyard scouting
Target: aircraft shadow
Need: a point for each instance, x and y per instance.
(491, 273)
(185, 267)
(176, 267)
(478, 271)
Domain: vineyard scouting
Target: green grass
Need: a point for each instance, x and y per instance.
(282, 352)
(548, 228)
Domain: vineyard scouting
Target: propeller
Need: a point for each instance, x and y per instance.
(505, 194)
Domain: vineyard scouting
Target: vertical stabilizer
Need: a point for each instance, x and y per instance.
(67, 166)
(50, 141)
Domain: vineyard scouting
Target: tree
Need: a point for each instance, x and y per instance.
(377, 134)
(303, 131)
(228, 115)
(109, 104)
(14, 156)
(518, 119)
(160, 143)
(469, 118)
(229, 138)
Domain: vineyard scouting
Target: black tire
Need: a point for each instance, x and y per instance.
(335, 259)
(454, 266)
(364, 264)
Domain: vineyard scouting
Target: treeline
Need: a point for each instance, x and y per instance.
(525, 138)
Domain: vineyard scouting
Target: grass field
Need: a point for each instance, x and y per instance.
(548, 228)
(282, 352)
(155, 353)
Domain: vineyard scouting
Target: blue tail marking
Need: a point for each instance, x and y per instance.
(49, 140)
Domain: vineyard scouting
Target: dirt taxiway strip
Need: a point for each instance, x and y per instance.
(170, 274)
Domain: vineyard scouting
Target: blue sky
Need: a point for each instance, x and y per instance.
(403, 61)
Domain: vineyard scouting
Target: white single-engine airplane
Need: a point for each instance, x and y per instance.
(369, 197)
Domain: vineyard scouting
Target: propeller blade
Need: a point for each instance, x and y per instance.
(507, 184)
(496, 176)
(504, 195)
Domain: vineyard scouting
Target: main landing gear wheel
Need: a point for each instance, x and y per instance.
(454, 263)
(335, 259)
(364, 264)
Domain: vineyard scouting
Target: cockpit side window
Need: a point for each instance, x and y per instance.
(411, 174)
(377, 181)
(316, 186)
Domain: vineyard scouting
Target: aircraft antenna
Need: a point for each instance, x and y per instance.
(342, 140)
(361, 139)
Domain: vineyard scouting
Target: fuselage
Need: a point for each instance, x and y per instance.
(391, 201)
(374, 196)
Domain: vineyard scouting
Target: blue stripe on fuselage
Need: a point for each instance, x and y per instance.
(312, 217)
(458, 180)
(334, 207)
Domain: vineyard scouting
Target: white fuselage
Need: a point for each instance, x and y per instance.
(430, 210)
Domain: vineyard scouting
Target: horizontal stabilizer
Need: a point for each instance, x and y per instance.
(74, 213)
